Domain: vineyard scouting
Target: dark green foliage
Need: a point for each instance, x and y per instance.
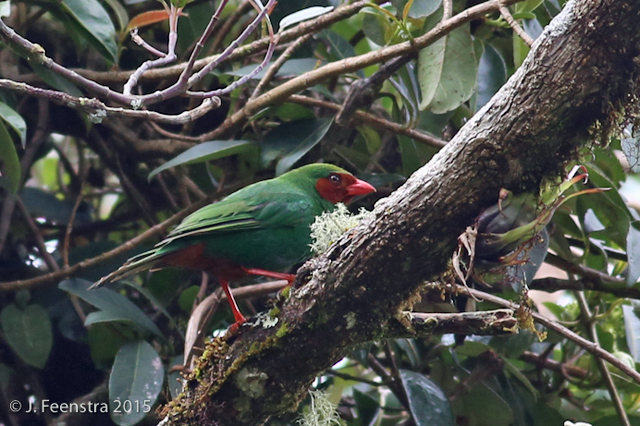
(117, 179)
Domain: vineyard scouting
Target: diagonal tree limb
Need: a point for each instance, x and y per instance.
(580, 72)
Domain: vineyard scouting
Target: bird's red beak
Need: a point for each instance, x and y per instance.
(360, 187)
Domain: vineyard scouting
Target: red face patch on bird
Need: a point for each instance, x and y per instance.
(342, 187)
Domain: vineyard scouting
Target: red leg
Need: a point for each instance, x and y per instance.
(232, 302)
(265, 273)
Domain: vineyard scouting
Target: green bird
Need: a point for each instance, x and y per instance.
(262, 229)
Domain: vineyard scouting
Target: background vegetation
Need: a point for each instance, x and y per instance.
(88, 183)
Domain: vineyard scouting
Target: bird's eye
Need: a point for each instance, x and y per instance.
(334, 178)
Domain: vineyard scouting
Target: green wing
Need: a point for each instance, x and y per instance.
(267, 205)
(246, 210)
(217, 217)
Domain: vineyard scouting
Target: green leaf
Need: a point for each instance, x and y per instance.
(175, 379)
(135, 382)
(104, 342)
(447, 71)
(513, 346)
(303, 15)
(492, 74)
(614, 420)
(187, 297)
(516, 373)
(43, 204)
(28, 332)
(633, 255)
(98, 317)
(381, 179)
(89, 20)
(339, 47)
(120, 13)
(115, 305)
(528, 6)
(292, 67)
(520, 50)
(9, 162)
(96, 25)
(419, 8)
(315, 132)
(428, 404)
(368, 408)
(375, 26)
(609, 207)
(524, 15)
(5, 8)
(632, 331)
(483, 406)
(6, 374)
(15, 121)
(55, 80)
(206, 151)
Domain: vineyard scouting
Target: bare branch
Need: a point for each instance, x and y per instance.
(589, 346)
(372, 120)
(418, 324)
(164, 59)
(351, 64)
(98, 110)
(504, 11)
(590, 323)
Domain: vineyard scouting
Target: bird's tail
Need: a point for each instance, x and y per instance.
(139, 263)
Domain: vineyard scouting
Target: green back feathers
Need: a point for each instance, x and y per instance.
(264, 225)
(275, 201)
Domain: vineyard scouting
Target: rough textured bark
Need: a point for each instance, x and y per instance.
(581, 72)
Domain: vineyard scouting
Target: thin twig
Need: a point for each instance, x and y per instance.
(551, 285)
(345, 376)
(37, 235)
(278, 63)
(152, 232)
(188, 69)
(229, 22)
(67, 234)
(97, 110)
(314, 25)
(583, 271)
(172, 135)
(35, 53)
(549, 364)
(33, 147)
(372, 120)
(552, 325)
(135, 37)
(589, 322)
(135, 195)
(164, 59)
(447, 6)
(264, 14)
(504, 11)
(167, 193)
(394, 385)
(337, 68)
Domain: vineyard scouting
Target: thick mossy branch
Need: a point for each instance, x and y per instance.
(579, 76)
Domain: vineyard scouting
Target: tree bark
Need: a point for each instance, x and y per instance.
(579, 77)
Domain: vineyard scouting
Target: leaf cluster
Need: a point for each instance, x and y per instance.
(75, 193)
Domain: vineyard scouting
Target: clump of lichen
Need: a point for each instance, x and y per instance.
(525, 319)
(329, 226)
(320, 412)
